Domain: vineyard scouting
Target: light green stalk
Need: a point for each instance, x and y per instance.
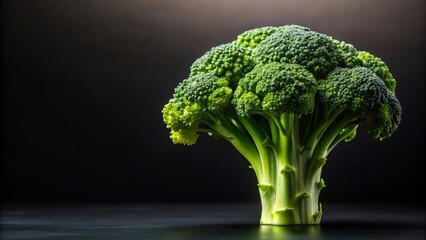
(286, 159)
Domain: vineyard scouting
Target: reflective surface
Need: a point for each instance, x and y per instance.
(208, 221)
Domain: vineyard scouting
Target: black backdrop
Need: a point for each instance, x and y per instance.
(83, 84)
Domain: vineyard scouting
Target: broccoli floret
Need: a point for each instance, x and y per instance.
(279, 87)
(253, 37)
(379, 68)
(384, 120)
(355, 89)
(225, 61)
(315, 51)
(348, 55)
(194, 98)
(364, 97)
(206, 89)
(285, 97)
(184, 136)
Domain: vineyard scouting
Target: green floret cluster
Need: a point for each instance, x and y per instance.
(252, 38)
(276, 88)
(359, 89)
(285, 97)
(349, 57)
(378, 67)
(194, 99)
(314, 51)
(227, 60)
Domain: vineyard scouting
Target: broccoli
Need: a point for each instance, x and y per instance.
(284, 97)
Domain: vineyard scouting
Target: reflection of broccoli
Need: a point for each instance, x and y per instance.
(284, 97)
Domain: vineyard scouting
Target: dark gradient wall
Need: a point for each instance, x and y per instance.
(84, 82)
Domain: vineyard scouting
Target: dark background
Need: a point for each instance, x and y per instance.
(84, 82)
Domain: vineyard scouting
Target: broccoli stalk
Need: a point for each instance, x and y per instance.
(284, 98)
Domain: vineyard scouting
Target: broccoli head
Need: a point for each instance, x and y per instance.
(284, 97)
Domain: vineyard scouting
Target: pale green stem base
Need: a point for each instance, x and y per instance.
(290, 201)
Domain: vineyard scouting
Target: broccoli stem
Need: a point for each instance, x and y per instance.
(286, 160)
(290, 167)
(287, 197)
